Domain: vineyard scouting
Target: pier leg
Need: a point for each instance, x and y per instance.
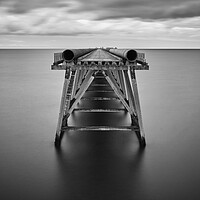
(75, 87)
(81, 76)
(122, 83)
(62, 107)
(131, 99)
(138, 109)
(142, 142)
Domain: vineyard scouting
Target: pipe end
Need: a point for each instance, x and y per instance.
(131, 55)
(68, 55)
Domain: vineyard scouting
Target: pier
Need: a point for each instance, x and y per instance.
(116, 70)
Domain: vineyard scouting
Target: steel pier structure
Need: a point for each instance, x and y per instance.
(117, 66)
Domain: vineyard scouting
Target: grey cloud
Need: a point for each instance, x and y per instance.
(113, 9)
(189, 9)
(145, 9)
(127, 3)
(23, 6)
(13, 29)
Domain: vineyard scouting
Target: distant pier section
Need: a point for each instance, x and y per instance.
(117, 67)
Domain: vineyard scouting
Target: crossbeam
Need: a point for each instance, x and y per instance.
(100, 66)
(117, 67)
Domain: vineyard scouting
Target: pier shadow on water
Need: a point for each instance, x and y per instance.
(104, 165)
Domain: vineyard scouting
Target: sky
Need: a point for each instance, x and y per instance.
(99, 23)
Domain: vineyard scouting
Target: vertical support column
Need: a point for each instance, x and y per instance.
(131, 100)
(80, 79)
(75, 83)
(63, 106)
(117, 77)
(114, 74)
(138, 109)
(126, 93)
(122, 83)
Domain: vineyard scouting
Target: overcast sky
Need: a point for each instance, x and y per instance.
(89, 23)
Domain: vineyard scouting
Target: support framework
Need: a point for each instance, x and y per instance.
(117, 67)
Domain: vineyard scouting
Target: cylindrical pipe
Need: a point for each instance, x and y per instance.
(71, 54)
(129, 54)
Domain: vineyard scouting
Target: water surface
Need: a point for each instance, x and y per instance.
(92, 165)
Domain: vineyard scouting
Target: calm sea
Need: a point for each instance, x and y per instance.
(93, 165)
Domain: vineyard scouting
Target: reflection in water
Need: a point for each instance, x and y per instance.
(100, 166)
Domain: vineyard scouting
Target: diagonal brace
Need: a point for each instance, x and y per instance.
(111, 81)
(84, 86)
